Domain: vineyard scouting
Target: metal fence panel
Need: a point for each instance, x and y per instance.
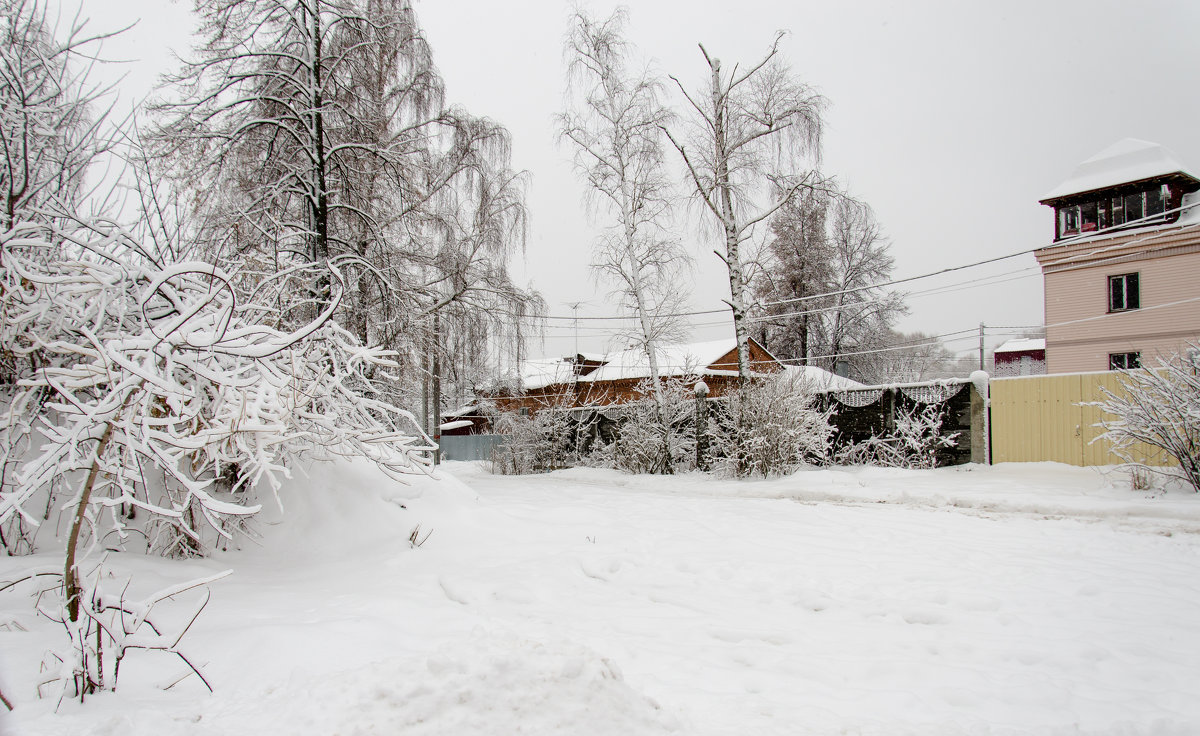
(1048, 418)
(470, 446)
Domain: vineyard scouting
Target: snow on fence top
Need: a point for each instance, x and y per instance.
(922, 392)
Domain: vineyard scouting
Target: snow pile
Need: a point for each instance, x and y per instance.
(1017, 599)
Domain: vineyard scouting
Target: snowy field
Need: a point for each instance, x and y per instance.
(1035, 599)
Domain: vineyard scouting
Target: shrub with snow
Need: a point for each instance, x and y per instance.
(148, 405)
(153, 402)
(1158, 408)
(913, 443)
(534, 443)
(646, 435)
(771, 427)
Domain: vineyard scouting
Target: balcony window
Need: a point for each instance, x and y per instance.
(1133, 206)
(1089, 217)
(1156, 200)
(1068, 221)
(1113, 210)
(1117, 208)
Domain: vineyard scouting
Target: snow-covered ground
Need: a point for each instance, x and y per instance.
(1035, 599)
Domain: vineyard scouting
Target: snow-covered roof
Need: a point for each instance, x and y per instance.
(542, 372)
(822, 380)
(1022, 344)
(1125, 161)
(673, 360)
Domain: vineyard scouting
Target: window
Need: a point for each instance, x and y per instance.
(1156, 200)
(1068, 221)
(1118, 211)
(1088, 217)
(1133, 206)
(1123, 292)
(1124, 361)
(1114, 210)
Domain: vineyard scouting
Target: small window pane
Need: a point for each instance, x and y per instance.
(1068, 221)
(1155, 201)
(1088, 217)
(1132, 295)
(1116, 293)
(1118, 211)
(1124, 361)
(1133, 207)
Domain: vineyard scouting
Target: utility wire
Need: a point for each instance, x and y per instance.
(1117, 229)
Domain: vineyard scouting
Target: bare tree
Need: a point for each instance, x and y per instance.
(751, 131)
(908, 357)
(321, 125)
(51, 128)
(616, 122)
(464, 295)
(861, 313)
(794, 279)
(817, 289)
(311, 121)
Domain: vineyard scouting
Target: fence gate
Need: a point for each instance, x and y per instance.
(1046, 418)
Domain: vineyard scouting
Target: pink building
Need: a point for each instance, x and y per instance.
(1122, 277)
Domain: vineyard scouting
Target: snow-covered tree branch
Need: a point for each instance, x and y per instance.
(1158, 409)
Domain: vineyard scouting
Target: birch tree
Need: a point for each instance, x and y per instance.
(751, 132)
(615, 123)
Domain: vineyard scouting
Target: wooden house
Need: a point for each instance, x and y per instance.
(610, 379)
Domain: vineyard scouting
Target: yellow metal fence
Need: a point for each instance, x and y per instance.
(1047, 418)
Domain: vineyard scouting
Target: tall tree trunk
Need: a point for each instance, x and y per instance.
(733, 259)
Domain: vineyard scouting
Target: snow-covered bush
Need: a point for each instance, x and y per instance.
(645, 437)
(914, 442)
(1158, 409)
(535, 443)
(771, 427)
(150, 405)
(147, 387)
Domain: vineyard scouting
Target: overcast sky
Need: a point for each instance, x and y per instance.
(951, 119)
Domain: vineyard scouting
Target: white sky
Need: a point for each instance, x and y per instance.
(951, 119)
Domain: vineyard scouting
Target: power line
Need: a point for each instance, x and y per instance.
(1082, 237)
